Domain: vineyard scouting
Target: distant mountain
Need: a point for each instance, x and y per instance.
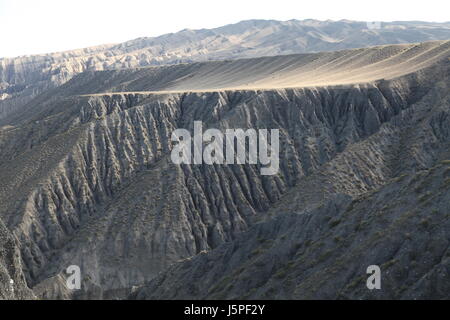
(22, 78)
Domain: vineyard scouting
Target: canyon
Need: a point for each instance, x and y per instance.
(364, 176)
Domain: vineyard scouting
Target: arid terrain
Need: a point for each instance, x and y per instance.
(22, 78)
(86, 176)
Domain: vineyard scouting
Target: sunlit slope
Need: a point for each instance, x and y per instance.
(303, 70)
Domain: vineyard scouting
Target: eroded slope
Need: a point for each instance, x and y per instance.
(87, 178)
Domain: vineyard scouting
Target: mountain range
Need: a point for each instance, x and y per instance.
(364, 179)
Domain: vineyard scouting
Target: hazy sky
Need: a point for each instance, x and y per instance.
(39, 26)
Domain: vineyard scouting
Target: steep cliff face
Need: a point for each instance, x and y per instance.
(87, 178)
